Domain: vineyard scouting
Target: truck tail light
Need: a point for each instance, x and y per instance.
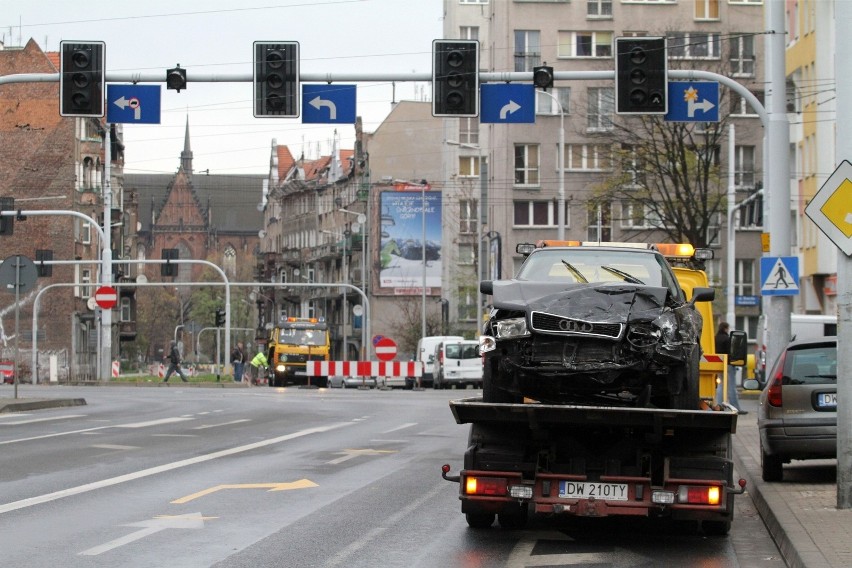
(773, 393)
(497, 486)
(699, 494)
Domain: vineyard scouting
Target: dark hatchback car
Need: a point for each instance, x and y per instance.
(797, 417)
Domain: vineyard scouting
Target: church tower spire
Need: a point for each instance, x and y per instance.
(186, 155)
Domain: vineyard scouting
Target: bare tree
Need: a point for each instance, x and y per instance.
(406, 328)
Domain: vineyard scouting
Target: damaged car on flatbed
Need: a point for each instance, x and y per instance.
(593, 324)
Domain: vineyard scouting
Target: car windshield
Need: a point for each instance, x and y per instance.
(811, 365)
(596, 265)
(301, 337)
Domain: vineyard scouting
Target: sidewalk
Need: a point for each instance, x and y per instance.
(800, 511)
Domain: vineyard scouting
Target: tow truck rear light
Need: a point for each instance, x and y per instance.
(699, 494)
(662, 497)
(521, 491)
(486, 485)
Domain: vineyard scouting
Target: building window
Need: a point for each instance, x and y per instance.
(585, 44)
(740, 106)
(744, 277)
(469, 166)
(311, 308)
(527, 49)
(229, 261)
(469, 32)
(751, 214)
(599, 8)
(742, 56)
(86, 233)
(749, 325)
(473, 1)
(469, 130)
(714, 231)
(467, 216)
(466, 303)
(85, 283)
(601, 108)
(744, 167)
(693, 45)
(526, 164)
(638, 215)
(538, 214)
(124, 311)
(632, 166)
(596, 157)
(600, 223)
(466, 253)
(544, 103)
(706, 9)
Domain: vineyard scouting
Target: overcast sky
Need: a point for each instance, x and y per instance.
(216, 36)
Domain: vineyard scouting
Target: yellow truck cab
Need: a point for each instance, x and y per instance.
(294, 342)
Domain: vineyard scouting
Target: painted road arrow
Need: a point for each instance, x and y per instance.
(349, 454)
(149, 527)
(318, 103)
(301, 484)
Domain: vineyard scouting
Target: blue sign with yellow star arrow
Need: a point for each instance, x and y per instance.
(693, 101)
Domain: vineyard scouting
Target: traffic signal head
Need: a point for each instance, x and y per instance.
(455, 78)
(641, 81)
(543, 77)
(176, 78)
(81, 78)
(7, 222)
(276, 79)
(169, 269)
(42, 269)
(220, 317)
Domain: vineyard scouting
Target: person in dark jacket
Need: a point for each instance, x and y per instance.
(723, 346)
(238, 360)
(174, 363)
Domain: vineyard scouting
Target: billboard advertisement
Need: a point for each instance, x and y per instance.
(410, 229)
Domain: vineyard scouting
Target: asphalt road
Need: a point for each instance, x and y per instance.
(286, 477)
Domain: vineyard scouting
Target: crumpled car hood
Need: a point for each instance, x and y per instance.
(600, 303)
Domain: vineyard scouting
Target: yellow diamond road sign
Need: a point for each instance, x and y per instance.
(831, 208)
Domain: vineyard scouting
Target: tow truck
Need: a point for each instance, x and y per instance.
(607, 451)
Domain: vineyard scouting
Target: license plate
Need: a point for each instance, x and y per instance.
(588, 489)
(827, 400)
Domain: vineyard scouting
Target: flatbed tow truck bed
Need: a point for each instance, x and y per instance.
(595, 461)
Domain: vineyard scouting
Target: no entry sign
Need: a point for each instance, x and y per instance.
(106, 297)
(385, 349)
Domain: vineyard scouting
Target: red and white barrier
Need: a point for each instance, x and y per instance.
(706, 358)
(116, 369)
(364, 368)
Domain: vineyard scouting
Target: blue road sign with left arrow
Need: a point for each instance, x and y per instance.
(693, 101)
(504, 103)
(133, 104)
(328, 104)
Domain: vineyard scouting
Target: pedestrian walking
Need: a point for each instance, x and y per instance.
(258, 366)
(174, 363)
(238, 360)
(723, 346)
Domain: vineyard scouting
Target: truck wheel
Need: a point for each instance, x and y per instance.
(771, 467)
(479, 520)
(716, 528)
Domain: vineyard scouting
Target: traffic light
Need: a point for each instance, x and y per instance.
(641, 80)
(455, 78)
(176, 78)
(169, 269)
(276, 79)
(7, 222)
(543, 77)
(44, 270)
(220, 317)
(81, 78)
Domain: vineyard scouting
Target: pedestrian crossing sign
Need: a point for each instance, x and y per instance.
(779, 276)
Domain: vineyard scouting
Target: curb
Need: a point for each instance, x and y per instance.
(26, 404)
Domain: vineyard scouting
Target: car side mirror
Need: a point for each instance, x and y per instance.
(487, 287)
(701, 294)
(739, 347)
(751, 384)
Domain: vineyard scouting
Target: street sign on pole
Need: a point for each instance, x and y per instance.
(106, 297)
(830, 209)
(385, 349)
(507, 103)
(133, 104)
(328, 104)
(693, 101)
(779, 276)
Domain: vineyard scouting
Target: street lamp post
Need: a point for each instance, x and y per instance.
(560, 231)
(362, 226)
(345, 268)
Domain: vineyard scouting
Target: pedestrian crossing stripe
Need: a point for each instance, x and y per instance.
(779, 276)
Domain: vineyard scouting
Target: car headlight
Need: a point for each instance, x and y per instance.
(667, 324)
(280, 368)
(511, 328)
(487, 343)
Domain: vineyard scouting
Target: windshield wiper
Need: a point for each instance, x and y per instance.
(577, 274)
(627, 277)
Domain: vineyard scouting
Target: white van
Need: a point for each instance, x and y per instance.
(426, 353)
(457, 363)
(802, 326)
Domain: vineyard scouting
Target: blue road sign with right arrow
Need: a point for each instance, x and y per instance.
(693, 101)
(505, 103)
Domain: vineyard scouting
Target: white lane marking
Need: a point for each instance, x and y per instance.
(391, 521)
(401, 427)
(154, 422)
(152, 526)
(174, 435)
(386, 441)
(114, 447)
(48, 497)
(54, 435)
(34, 420)
(222, 424)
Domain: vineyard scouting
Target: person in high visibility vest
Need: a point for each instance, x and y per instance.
(258, 366)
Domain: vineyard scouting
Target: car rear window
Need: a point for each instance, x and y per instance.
(811, 365)
(461, 351)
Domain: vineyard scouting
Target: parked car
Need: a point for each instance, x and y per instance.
(339, 381)
(7, 371)
(457, 363)
(797, 416)
(426, 353)
(802, 326)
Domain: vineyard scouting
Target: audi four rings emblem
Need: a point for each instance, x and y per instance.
(576, 326)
